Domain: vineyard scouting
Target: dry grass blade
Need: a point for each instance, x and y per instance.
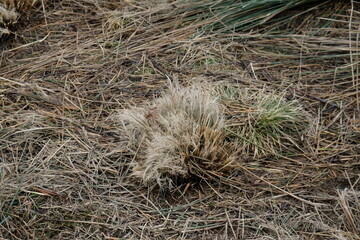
(350, 204)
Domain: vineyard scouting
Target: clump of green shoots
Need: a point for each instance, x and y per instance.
(247, 15)
(263, 122)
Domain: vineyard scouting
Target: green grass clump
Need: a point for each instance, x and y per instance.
(264, 122)
(230, 15)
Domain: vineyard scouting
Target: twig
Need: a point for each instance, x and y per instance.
(29, 44)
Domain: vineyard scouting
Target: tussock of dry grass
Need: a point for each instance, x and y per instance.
(7, 17)
(10, 12)
(180, 132)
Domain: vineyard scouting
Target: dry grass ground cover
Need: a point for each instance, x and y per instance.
(66, 162)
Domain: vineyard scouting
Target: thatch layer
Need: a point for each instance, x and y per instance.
(65, 168)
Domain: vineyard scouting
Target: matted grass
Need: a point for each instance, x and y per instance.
(65, 169)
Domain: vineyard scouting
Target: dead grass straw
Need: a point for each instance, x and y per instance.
(183, 127)
(65, 169)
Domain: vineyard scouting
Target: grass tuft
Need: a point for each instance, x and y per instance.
(10, 12)
(229, 15)
(264, 122)
(179, 133)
